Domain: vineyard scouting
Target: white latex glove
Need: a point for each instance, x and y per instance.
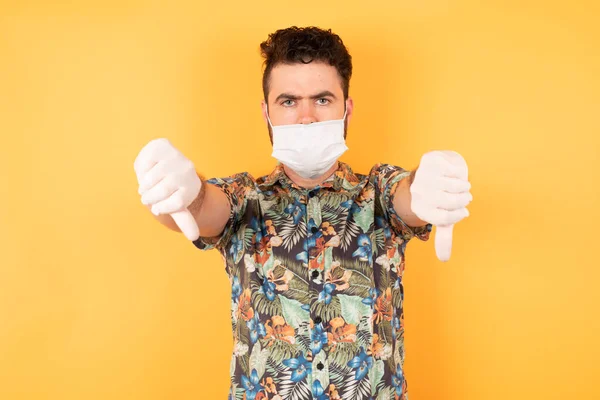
(440, 195)
(168, 181)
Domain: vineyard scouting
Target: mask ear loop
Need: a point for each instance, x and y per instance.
(345, 111)
(268, 119)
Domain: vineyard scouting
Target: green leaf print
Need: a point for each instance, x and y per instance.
(349, 233)
(356, 389)
(249, 233)
(375, 375)
(314, 211)
(364, 218)
(378, 240)
(334, 216)
(303, 342)
(288, 389)
(327, 311)
(239, 393)
(364, 336)
(274, 369)
(337, 373)
(262, 304)
(321, 375)
(243, 360)
(298, 291)
(280, 350)
(398, 358)
(290, 233)
(351, 187)
(268, 203)
(353, 308)
(333, 200)
(258, 359)
(328, 258)
(240, 235)
(293, 312)
(384, 330)
(268, 265)
(232, 366)
(386, 394)
(343, 353)
(396, 298)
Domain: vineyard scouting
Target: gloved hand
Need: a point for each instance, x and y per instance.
(168, 181)
(440, 194)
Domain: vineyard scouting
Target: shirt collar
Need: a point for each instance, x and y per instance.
(343, 179)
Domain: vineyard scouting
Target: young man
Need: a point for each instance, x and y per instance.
(314, 251)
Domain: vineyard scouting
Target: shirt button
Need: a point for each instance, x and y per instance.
(318, 320)
(320, 366)
(314, 229)
(315, 274)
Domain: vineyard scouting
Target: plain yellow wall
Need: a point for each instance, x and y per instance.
(98, 301)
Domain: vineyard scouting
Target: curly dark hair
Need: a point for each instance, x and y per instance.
(304, 45)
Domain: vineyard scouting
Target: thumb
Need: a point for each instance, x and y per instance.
(186, 222)
(443, 242)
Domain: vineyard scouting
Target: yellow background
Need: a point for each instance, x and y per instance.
(98, 301)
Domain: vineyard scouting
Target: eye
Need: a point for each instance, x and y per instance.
(324, 101)
(287, 103)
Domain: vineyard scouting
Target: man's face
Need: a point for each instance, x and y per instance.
(305, 93)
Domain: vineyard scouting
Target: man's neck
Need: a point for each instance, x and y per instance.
(309, 183)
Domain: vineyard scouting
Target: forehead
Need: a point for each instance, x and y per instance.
(304, 79)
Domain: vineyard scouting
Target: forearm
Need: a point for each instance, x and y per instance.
(402, 200)
(211, 210)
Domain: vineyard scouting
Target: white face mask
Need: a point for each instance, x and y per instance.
(309, 149)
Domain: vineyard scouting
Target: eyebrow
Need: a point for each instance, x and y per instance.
(289, 96)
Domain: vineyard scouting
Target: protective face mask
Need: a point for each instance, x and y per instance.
(309, 149)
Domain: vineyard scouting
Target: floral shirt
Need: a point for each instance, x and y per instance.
(316, 285)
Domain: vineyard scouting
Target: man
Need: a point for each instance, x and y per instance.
(314, 251)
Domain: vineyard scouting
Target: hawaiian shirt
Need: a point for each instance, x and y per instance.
(316, 285)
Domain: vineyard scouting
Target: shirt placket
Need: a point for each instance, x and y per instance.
(319, 363)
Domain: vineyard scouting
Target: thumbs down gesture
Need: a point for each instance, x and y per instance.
(440, 193)
(168, 182)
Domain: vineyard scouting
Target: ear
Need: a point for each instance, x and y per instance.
(263, 106)
(349, 108)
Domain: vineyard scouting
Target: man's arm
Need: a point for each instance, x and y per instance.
(402, 200)
(211, 210)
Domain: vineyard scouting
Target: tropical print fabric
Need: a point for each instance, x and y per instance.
(316, 285)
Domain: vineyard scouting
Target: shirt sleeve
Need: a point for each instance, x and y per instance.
(237, 188)
(387, 178)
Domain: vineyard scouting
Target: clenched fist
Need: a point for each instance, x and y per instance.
(440, 194)
(169, 183)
